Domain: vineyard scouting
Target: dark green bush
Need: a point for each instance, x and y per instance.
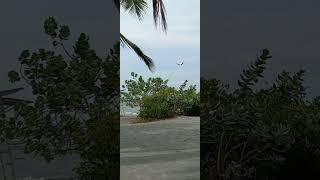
(157, 100)
(251, 133)
(193, 109)
(158, 106)
(189, 100)
(73, 111)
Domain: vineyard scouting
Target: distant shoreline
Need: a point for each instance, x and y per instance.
(128, 111)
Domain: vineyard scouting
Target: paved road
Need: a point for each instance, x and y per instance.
(162, 150)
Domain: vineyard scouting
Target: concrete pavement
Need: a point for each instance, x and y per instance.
(161, 150)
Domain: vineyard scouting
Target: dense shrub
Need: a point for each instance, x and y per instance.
(193, 109)
(188, 100)
(74, 109)
(157, 106)
(157, 100)
(137, 88)
(251, 133)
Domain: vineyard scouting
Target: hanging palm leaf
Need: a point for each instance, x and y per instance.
(9, 92)
(147, 60)
(137, 8)
(7, 103)
(159, 14)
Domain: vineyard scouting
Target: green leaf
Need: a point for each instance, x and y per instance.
(51, 27)
(64, 32)
(13, 76)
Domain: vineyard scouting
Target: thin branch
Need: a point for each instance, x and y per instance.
(65, 50)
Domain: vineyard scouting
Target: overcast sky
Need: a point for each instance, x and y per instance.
(181, 43)
(22, 27)
(233, 33)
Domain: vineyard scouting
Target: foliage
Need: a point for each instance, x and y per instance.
(255, 134)
(157, 100)
(76, 108)
(188, 100)
(138, 8)
(125, 42)
(137, 88)
(158, 106)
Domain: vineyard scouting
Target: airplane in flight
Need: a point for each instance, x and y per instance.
(180, 63)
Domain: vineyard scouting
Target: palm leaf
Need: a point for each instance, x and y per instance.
(13, 101)
(138, 7)
(134, 7)
(159, 14)
(117, 3)
(9, 92)
(147, 60)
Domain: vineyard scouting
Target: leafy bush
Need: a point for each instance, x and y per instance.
(158, 106)
(137, 88)
(75, 95)
(250, 133)
(188, 100)
(157, 100)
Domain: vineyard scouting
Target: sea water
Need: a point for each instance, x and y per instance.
(126, 110)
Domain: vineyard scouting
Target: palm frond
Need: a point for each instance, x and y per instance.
(9, 92)
(117, 3)
(13, 101)
(134, 7)
(147, 60)
(159, 14)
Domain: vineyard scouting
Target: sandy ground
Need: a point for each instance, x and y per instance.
(161, 150)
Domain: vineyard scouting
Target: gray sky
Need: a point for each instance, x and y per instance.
(22, 27)
(233, 32)
(181, 43)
